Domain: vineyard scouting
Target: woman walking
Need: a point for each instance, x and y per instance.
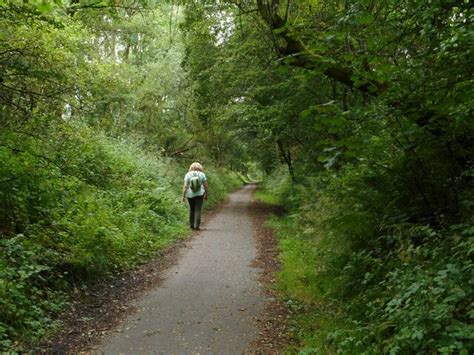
(196, 190)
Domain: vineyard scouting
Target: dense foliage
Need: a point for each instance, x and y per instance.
(95, 138)
(369, 106)
(366, 104)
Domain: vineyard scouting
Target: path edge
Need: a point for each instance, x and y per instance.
(273, 326)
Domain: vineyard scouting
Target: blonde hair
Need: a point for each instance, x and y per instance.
(195, 167)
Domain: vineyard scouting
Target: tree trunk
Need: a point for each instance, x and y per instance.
(286, 154)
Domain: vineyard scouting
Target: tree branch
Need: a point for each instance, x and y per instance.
(295, 49)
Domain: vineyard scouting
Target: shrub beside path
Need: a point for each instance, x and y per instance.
(210, 301)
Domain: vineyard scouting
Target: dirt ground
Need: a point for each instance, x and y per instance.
(273, 327)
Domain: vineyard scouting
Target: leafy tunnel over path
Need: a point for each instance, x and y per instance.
(356, 114)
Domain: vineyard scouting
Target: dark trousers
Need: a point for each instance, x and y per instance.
(195, 205)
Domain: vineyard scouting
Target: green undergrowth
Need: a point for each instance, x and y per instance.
(267, 198)
(359, 279)
(74, 216)
(313, 316)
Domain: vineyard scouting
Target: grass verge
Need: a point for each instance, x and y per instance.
(298, 285)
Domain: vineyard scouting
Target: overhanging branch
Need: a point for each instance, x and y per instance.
(301, 57)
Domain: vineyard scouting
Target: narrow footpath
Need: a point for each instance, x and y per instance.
(209, 302)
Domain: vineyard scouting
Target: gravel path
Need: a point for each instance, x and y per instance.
(209, 301)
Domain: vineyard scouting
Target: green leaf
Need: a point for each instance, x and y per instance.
(364, 19)
(44, 7)
(282, 69)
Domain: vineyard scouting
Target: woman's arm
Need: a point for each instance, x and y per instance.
(206, 190)
(185, 188)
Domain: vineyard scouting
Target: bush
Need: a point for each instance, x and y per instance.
(30, 290)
